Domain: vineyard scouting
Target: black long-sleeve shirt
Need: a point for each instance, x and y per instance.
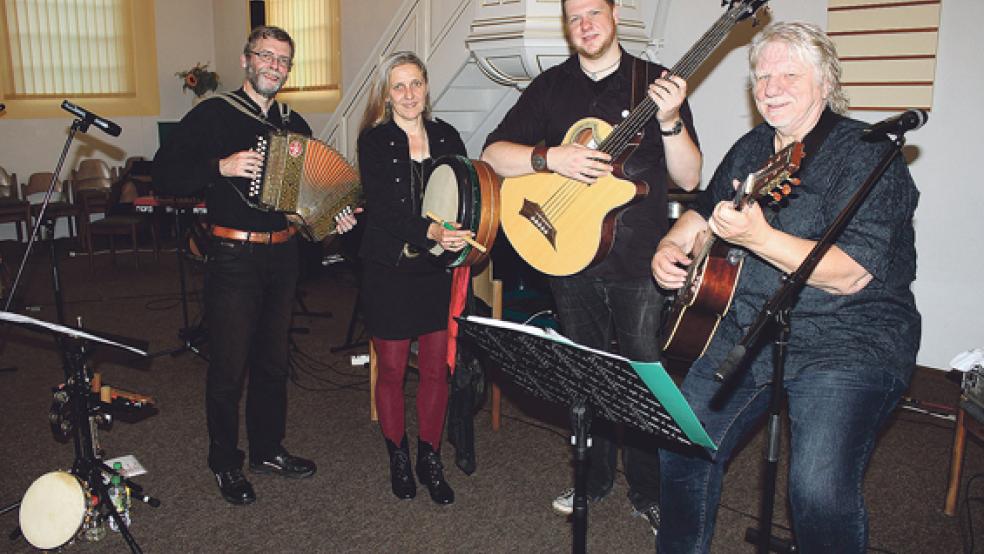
(562, 95)
(189, 161)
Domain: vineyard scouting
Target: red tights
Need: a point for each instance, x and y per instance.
(432, 394)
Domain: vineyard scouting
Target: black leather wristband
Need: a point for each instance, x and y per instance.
(538, 159)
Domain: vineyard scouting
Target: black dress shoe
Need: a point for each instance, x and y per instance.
(234, 487)
(284, 464)
(430, 472)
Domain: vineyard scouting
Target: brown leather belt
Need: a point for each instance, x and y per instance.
(259, 237)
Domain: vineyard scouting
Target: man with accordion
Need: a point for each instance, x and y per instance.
(252, 262)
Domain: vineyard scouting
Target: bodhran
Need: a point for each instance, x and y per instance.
(52, 510)
(467, 192)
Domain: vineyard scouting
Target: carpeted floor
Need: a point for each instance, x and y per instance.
(347, 505)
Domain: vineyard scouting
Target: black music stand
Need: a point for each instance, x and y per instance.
(590, 382)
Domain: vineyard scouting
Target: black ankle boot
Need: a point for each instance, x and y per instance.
(401, 476)
(430, 471)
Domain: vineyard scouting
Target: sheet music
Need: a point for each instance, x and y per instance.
(553, 367)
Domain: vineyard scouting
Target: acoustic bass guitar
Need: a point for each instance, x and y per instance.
(561, 225)
(704, 298)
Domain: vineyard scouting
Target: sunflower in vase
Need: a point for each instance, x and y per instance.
(199, 79)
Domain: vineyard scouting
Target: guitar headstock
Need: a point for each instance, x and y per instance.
(775, 178)
(743, 9)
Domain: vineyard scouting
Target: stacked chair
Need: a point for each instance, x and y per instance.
(97, 191)
(13, 208)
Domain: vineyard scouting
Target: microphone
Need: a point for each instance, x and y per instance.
(106, 125)
(3, 107)
(908, 120)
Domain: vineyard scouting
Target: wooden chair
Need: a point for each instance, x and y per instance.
(970, 419)
(60, 205)
(13, 209)
(93, 167)
(96, 196)
(489, 291)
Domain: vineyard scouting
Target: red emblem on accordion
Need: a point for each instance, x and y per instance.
(295, 148)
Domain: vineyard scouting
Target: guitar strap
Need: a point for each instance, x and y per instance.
(640, 81)
(811, 145)
(816, 137)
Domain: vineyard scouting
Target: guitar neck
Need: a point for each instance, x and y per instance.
(616, 142)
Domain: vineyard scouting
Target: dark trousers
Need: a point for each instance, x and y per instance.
(835, 415)
(592, 312)
(249, 294)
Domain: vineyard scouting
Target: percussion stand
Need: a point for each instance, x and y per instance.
(84, 411)
(350, 341)
(304, 311)
(87, 467)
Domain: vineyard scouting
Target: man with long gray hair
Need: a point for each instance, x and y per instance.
(854, 330)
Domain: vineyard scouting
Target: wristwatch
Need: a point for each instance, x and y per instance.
(539, 159)
(673, 131)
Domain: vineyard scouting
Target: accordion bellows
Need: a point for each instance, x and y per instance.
(304, 176)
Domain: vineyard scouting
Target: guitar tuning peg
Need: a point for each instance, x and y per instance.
(786, 190)
(775, 196)
(795, 181)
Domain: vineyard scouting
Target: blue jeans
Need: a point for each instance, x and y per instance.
(249, 295)
(592, 312)
(835, 415)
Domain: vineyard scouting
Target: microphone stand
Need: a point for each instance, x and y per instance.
(774, 317)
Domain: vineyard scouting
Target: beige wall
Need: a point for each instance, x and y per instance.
(942, 157)
(188, 32)
(184, 37)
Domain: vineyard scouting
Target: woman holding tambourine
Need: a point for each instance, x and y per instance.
(405, 292)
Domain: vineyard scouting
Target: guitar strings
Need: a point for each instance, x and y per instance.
(619, 138)
(562, 199)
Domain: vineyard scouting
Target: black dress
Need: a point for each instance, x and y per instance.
(405, 290)
(410, 299)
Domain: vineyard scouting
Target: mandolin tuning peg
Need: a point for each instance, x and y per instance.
(775, 196)
(795, 181)
(786, 189)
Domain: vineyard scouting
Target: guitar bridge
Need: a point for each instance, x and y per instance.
(534, 214)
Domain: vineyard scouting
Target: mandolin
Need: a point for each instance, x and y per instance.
(704, 298)
(561, 226)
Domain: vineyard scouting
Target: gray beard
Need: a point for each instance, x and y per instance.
(253, 76)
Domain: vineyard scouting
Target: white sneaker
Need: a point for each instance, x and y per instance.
(564, 504)
(651, 514)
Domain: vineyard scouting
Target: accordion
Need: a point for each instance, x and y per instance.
(304, 176)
